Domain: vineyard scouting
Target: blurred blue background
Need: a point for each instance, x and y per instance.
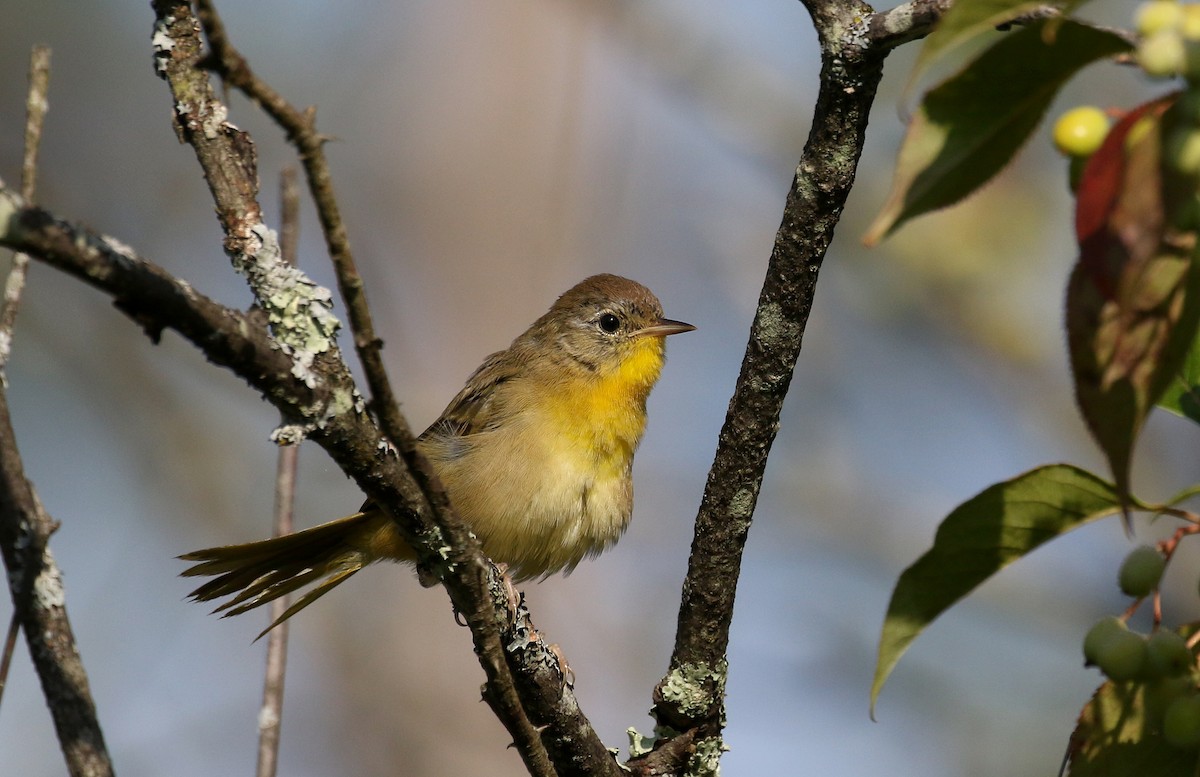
(488, 155)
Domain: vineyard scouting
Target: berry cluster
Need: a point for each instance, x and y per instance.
(1163, 661)
(1169, 33)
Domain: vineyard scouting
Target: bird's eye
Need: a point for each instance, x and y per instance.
(609, 323)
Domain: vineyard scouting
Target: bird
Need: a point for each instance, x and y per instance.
(535, 453)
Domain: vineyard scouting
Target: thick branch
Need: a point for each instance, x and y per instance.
(691, 695)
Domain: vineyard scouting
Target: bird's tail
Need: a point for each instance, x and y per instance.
(259, 572)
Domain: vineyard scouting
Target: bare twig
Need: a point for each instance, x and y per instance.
(35, 115)
(35, 583)
(300, 127)
(270, 716)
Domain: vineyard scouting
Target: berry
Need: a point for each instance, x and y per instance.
(1080, 131)
(1189, 24)
(1162, 54)
(1122, 656)
(1181, 723)
(1099, 634)
(1143, 568)
(1156, 16)
(1162, 692)
(1168, 654)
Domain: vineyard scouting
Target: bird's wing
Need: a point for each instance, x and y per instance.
(471, 411)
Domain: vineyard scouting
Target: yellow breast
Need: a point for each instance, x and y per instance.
(551, 486)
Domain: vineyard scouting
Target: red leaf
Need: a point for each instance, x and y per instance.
(1132, 299)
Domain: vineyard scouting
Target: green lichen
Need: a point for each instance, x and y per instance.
(639, 744)
(694, 688)
(706, 761)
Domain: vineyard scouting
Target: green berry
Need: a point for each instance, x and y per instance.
(1156, 16)
(1162, 692)
(1143, 568)
(1162, 54)
(1181, 723)
(1080, 131)
(1099, 634)
(1168, 654)
(1122, 656)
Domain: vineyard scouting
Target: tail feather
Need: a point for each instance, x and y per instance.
(256, 573)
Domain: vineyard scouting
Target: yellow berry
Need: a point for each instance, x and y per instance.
(1189, 25)
(1156, 16)
(1162, 54)
(1080, 131)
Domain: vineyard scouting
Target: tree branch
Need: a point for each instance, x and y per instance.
(506, 642)
(35, 583)
(301, 131)
(690, 698)
(906, 22)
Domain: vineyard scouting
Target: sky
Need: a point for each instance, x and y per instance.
(488, 155)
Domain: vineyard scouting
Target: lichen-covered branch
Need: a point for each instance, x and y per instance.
(903, 23)
(690, 698)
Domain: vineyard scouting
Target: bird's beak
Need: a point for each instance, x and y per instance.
(664, 327)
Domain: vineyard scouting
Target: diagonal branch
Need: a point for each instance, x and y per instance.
(507, 644)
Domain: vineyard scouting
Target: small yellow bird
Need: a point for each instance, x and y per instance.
(536, 453)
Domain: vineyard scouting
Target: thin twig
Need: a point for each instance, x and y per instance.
(270, 716)
(35, 582)
(36, 105)
(35, 114)
(300, 127)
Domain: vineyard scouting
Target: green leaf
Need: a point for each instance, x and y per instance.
(1117, 736)
(969, 20)
(979, 538)
(970, 126)
(1182, 397)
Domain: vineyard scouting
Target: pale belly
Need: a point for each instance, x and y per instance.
(539, 503)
